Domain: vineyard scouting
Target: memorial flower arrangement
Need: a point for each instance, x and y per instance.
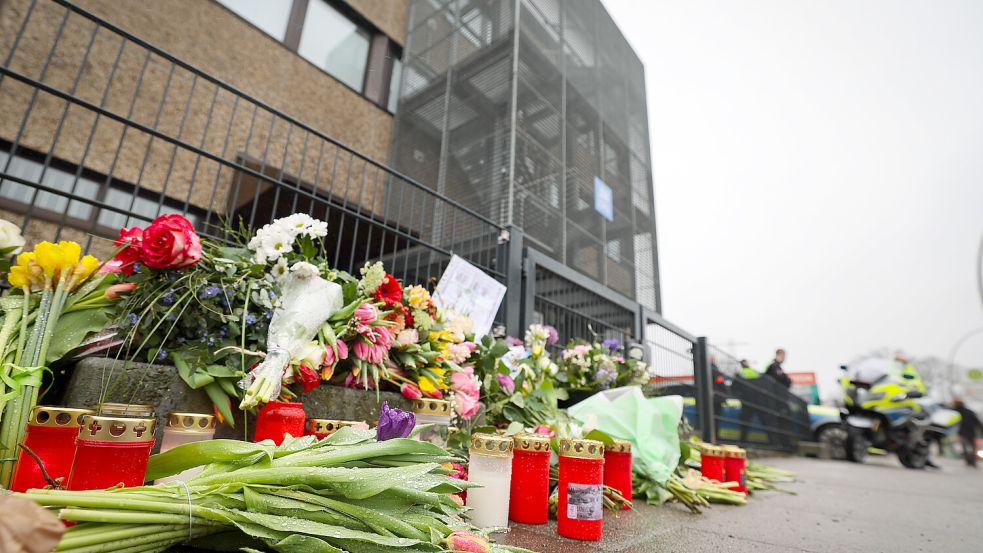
(56, 300)
(595, 366)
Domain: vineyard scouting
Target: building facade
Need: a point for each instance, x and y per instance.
(533, 113)
(99, 121)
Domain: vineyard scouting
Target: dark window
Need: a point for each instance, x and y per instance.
(142, 205)
(335, 38)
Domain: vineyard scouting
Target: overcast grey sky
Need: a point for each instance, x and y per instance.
(818, 172)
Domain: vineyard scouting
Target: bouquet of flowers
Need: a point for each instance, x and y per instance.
(209, 307)
(56, 300)
(596, 366)
(519, 379)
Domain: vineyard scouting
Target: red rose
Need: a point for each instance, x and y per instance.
(170, 242)
(131, 242)
(389, 291)
(308, 378)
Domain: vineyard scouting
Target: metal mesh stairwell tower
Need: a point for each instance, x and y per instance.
(532, 113)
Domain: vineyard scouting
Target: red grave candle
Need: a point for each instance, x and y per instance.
(277, 418)
(322, 428)
(735, 467)
(530, 487)
(712, 462)
(580, 511)
(110, 451)
(51, 434)
(617, 468)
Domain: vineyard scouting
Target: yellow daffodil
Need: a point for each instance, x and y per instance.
(85, 267)
(20, 274)
(57, 259)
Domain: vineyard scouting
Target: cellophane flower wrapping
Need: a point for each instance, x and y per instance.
(306, 302)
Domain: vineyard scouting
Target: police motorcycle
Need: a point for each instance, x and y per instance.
(886, 409)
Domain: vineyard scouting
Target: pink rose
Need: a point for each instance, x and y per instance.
(131, 242)
(466, 393)
(170, 242)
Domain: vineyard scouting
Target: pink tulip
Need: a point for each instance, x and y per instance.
(366, 314)
(113, 292)
(410, 391)
(460, 540)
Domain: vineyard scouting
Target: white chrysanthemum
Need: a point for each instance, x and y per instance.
(317, 229)
(279, 269)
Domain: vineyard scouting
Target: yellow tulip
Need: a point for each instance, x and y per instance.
(426, 385)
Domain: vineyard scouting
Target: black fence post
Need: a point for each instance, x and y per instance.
(511, 242)
(703, 382)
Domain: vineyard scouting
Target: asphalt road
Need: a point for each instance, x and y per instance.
(838, 507)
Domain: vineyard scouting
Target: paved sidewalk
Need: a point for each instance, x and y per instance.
(839, 507)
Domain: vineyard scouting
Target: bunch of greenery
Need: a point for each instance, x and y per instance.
(345, 493)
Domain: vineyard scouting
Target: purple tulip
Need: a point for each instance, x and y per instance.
(554, 336)
(394, 423)
(612, 344)
(506, 382)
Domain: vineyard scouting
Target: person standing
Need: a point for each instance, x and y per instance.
(776, 371)
(968, 429)
(777, 386)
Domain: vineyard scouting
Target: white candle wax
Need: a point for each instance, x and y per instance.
(490, 503)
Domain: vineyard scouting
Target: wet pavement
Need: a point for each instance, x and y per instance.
(838, 507)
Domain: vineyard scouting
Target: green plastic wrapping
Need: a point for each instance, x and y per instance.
(650, 424)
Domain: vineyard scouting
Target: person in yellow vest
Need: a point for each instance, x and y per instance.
(747, 372)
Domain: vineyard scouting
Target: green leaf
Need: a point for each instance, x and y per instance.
(599, 436)
(518, 401)
(73, 328)
(195, 454)
(305, 544)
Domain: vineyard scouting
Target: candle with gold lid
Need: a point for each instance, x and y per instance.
(51, 434)
(617, 468)
(185, 428)
(134, 410)
(437, 414)
(490, 465)
(580, 510)
(322, 428)
(529, 496)
(110, 451)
